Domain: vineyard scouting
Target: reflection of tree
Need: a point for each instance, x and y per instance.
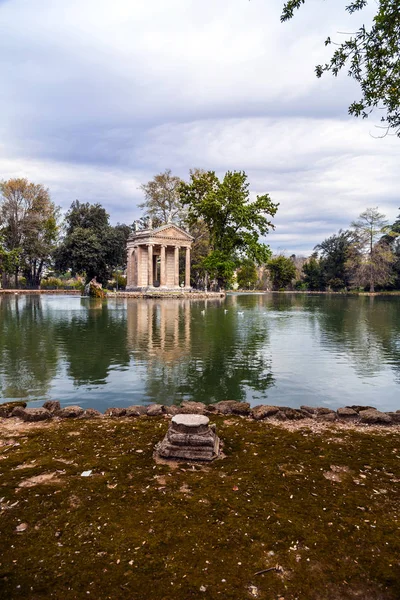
(199, 356)
(92, 341)
(28, 354)
(365, 328)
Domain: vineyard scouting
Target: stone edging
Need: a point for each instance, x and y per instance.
(358, 415)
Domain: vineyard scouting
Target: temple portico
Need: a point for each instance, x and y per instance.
(153, 258)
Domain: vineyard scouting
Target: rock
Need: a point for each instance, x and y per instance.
(359, 408)
(263, 411)
(327, 417)
(172, 410)
(154, 410)
(189, 437)
(232, 407)
(321, 410)
(373, 416)
(52, 405)
(7, 408)
(90, 413)
(94, 289)
(347, 413)
(70, 412)
(308, 409)
(395, 416)
(193, 408)
(115, 412)
(280, 416)
(292, 413)
(32, 414)
(135, 411)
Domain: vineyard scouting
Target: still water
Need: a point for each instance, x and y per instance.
(267, 348)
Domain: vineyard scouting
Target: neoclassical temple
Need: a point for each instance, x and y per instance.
(153, 258)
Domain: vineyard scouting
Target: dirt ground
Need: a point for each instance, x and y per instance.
(293, 511)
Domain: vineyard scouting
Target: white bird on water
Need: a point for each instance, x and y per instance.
(225, 311)
(203, 312)
(241, 313)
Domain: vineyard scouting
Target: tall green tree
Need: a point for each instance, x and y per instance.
(162, 201)
(247, 276)
(282, 271)
(91, 245)
(314, 277)
(28, 224)
(372, 58)
(234, 222)
(334, 252)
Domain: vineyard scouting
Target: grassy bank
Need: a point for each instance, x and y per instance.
(319, 504)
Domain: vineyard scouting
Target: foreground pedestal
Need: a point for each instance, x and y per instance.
(189, 437)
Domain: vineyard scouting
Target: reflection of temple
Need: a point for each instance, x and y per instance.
(153, 258)
(159, 327)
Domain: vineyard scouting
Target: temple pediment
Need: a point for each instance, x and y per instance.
(172, 231)
(168, 232)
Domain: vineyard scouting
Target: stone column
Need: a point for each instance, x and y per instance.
(128, 267)
(134, 266)
(187, 268)
(163, 271)
(150, 265)
(176, 266)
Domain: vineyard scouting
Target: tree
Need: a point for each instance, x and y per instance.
(247, 275)
(372, 57)
(282, 271)
(9, 262)
(234, 223)
(28, 223)
(371, 259)
(91, 245)
(334, 253)
(313, 273)
(162, 202)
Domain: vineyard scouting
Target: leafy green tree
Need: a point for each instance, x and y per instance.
(372, 58)
(334, 253)
(162, 201)
(28, 224)
(91, 245)
(313, 273)
(233, 221)
(371, 260)
(247, 276)
(282, 271)
(9, 262)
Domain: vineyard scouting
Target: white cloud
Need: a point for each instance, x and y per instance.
(98, 96)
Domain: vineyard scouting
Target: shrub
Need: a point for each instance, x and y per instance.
(51, 283)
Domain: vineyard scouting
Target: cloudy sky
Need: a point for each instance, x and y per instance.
(97, 96)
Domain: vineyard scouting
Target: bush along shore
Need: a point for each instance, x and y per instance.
(304, 504)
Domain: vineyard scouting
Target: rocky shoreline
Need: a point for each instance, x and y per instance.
(356, 415)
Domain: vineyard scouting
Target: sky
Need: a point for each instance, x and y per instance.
(98, 96)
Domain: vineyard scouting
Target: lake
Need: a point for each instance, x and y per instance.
(282, 349)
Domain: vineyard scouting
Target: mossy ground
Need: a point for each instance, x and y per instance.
(324, 506)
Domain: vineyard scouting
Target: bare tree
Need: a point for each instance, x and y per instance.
(162, 203)
(371, 258)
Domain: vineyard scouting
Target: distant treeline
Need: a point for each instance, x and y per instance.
(38, 248)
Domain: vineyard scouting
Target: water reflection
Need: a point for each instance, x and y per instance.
(28, 355)
(289, 349)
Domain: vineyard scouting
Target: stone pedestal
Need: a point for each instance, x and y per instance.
(189, 437)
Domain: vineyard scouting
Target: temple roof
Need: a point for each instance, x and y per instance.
(169, 231)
